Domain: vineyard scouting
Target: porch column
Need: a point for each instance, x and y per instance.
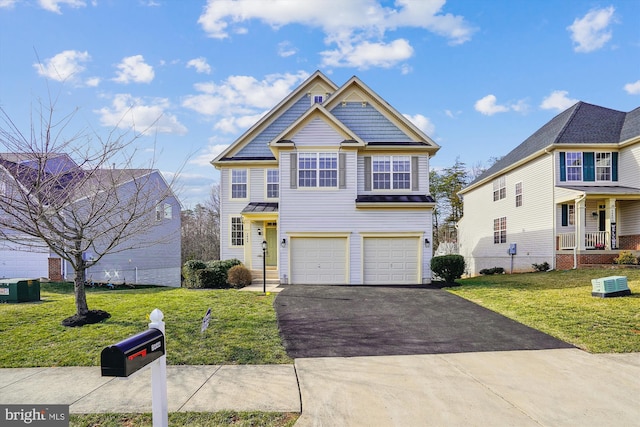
(581, 209)
(610, 224)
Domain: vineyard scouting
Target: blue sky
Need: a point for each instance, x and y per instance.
(479, 77)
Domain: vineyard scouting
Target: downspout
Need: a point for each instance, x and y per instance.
(578, 228)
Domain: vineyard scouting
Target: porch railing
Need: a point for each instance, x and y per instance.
(592, 240)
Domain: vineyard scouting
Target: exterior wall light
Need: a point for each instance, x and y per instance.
(283, 243)
(426, 243)
(259, 231)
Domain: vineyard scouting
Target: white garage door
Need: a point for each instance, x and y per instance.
(319, 260)
(391, 260)
(17, 264)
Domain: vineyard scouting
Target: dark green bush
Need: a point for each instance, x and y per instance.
(239, 277)
(541, 267)
(448, 267)
(211, 278)
(189, 272)
(490, 271)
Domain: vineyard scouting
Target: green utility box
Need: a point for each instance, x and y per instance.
(19, 290)
(612, 286)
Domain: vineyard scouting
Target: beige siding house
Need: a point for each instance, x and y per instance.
(569, 195)
(334, 182)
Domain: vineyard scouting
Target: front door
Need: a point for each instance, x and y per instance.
(272, 246)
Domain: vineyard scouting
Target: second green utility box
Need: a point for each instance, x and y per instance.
(19, 290)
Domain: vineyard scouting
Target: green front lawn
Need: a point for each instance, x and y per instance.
(242, 330)
(560, 304)
(188, 419)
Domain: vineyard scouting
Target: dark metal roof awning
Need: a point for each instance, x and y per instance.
(259, 207)
(390, 198)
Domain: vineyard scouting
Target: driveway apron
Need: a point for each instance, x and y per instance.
(349, 321)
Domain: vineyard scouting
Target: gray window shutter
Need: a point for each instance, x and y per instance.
(367, 173)
(293, 175)
(342, 170)
(415, 177)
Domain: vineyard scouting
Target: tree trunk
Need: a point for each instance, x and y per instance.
(82, 308)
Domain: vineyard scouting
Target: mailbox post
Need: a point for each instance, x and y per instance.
(132, 354)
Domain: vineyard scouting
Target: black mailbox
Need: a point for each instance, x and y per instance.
(130, 355)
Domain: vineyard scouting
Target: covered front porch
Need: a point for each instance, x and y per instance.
(261, 250)
(596, 224)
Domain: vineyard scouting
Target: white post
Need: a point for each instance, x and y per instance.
(159, 406)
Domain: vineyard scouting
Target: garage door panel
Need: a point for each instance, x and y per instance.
(391, 260)
(318, 260)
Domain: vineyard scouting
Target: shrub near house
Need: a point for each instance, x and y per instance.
(212, 275)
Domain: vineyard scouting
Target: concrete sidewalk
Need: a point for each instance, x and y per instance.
(272, 388)
(559, 387)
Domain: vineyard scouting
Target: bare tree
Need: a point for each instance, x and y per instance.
(201, 229)
(75, 193)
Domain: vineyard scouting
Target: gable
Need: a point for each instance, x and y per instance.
(253, 144)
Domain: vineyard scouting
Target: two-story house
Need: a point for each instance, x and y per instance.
(334, 183)
(150, 256)
(569, 195)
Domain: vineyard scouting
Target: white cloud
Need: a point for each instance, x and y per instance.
(286, 49)
(200, 64)
(489, 106)
(557, 100)
(134, 69)
(633, 88)
(54, 5)
(591, 32)
(366, 54)
(207, 154)
(127, 112)
(64, 66)
(239, 101)
(423, 123)
(93, 81)
(7, 4)
(358, 28)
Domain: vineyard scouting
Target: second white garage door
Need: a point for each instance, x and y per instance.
(391, 260)
(319, 260)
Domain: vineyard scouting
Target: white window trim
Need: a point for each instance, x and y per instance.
(231, 237)
(609, 167)
(317, 169)
(266, 183)
(391, 180)
(519, 195)
(499, 188)
(569, 166)
(231, 183)
(500, 230)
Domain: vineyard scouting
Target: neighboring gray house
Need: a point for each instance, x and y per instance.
(335, 182)
(568, 195)
(158, 263)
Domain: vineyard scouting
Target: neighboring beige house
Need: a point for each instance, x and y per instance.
(335, 182)
(568, 195)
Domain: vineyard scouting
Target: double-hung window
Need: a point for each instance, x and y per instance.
(518, 194)
(574, 166)
(237, 231)
(391, 172)
(238, 183)
(500, 230)
(273, 184)
(499, 188)
(603, 166)
(318, 170)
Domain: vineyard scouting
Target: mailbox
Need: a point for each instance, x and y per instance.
(134, 353)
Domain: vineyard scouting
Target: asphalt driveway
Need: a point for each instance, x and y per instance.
(348, 321)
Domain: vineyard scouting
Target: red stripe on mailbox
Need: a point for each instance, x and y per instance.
(141, 353)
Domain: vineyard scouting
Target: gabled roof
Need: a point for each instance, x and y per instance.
(354, 110)
(275, 121)
(580, 125)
